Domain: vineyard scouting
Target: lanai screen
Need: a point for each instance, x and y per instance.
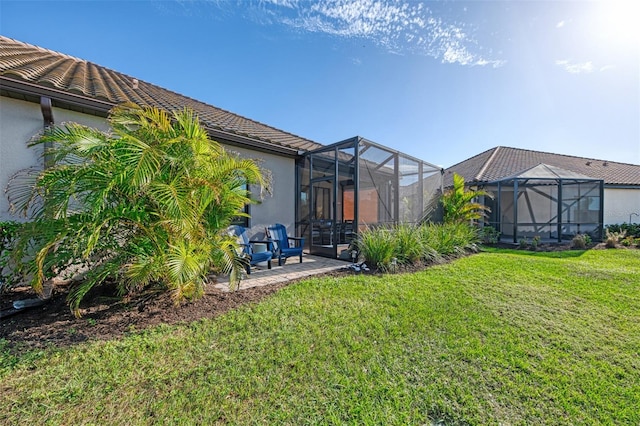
(548, 202)
(356, 183)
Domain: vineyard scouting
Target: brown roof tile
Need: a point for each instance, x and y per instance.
(500, 162)
(32, 64)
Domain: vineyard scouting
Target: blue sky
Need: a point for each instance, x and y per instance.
(441, 81)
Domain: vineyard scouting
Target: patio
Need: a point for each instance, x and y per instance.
(292, 270)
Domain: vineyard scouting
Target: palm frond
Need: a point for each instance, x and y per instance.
(146, 202)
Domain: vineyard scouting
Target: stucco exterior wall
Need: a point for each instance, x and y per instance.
(280, 206)
(619, 204)
(66, 116)
(21, 120)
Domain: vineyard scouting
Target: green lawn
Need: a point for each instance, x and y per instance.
(500, 337)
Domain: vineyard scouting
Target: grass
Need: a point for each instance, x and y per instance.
(501, 337)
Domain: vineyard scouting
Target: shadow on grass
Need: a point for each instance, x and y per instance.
(558, 254)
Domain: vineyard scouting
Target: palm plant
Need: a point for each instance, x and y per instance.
(458, 205)
(146, 203)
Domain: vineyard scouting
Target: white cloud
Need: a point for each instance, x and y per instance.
(560, 24)
(284, 3)
(575, 68)
(398, 26)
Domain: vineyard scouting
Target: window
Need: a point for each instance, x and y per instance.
(242, 220)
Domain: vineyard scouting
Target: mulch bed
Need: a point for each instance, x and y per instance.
(106, 316)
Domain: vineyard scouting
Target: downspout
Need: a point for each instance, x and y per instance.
(21, 305)
(47, 116)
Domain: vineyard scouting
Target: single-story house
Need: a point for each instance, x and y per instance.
(324, 193)
(551, 195)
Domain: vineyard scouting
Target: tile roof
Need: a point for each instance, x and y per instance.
(45, 68)
(500, 162)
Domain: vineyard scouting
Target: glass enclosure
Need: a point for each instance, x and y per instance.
(548, 202)
(356, 183)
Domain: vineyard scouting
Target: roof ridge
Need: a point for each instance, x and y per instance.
(477, 155)
(567, 155)
(484, 168)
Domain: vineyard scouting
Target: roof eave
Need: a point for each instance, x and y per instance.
(27, 88)
(102, 108)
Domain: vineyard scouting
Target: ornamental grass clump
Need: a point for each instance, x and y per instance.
(405, 244)
(409, 247)
(449, 238)
(377, 246)
(613, 238)
(580, 241)
(145, 204)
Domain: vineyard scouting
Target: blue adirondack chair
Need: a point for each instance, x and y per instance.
(247, 248)
(283, 245)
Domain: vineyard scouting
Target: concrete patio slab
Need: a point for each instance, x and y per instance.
(292, 270)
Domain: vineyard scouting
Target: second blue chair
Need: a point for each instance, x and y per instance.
(283, 245)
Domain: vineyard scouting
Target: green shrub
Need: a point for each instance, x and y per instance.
(489, 235)
(8, 232)
(630, 242)
(630, 229)
(535, 242)
(523, 243)
(377, 247)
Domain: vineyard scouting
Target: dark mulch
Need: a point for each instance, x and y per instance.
(107, 317)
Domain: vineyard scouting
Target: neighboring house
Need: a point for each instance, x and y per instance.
(325, 193)
(539, 175)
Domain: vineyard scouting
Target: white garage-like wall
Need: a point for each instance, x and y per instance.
(621, 205)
